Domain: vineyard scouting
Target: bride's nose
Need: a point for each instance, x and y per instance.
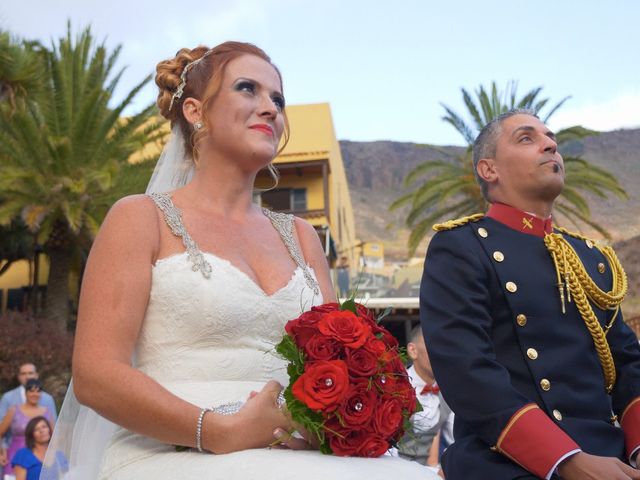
(267, 107)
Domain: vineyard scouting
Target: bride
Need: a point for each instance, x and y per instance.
(186, 292)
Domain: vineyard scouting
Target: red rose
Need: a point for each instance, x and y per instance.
(345, 327)
(357, 443)
(391, 382)
(375, 346)
(373, 446)
(326, 308)
(383, 334)
(409, 400)
(321, 347)
(334, 426)
(388, 417)
(361, 362)
(303, 328)
(364, 312)
(398, 386)
(392, 362)
(357, 408)
(346, 443)
(323, 385)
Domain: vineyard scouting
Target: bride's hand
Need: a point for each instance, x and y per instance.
(287, 439)
(252, 427)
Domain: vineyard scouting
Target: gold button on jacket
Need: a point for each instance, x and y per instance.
(511, 287)
(545, 384)
(532, 353)
(557, 415)
(521, 319)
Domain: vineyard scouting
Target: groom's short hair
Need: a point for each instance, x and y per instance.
(486, 142)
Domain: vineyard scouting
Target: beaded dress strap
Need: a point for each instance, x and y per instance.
(173, 217)
(283, 223)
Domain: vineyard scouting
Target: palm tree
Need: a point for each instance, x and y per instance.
(20, 69)
(64, 155)
(15, 244)
(447, 188)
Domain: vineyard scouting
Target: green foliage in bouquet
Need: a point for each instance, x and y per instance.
(300, 413)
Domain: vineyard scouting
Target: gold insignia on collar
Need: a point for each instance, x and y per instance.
(527, 223)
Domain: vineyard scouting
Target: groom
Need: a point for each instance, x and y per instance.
(528, 343)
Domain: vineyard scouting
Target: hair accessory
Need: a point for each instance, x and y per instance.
(198, 125)
(183, 78)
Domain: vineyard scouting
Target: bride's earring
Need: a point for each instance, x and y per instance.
(198, 125)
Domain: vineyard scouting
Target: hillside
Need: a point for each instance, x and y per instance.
(376, 170)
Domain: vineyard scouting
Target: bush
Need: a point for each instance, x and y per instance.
(25, 339)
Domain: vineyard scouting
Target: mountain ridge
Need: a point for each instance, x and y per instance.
(376, 170)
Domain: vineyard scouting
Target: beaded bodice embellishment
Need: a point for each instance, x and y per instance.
(173, 217)
(282, 222)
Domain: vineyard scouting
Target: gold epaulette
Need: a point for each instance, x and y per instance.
(451, 224)
(577, 235)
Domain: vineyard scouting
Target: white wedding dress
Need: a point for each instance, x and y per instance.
(208, 337)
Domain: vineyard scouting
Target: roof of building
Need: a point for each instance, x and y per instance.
(312, 133)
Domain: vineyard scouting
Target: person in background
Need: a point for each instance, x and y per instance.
(27, 462)
(343, 278)
(18, 416)
(422, 443)
(17, 396)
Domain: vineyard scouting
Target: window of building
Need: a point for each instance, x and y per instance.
(285, 199)
(299, 199)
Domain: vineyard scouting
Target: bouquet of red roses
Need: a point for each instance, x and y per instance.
(348, 383)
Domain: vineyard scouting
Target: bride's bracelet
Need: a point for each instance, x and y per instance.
(224, 409)
(203, 412)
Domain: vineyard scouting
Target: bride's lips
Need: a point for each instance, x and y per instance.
(263, 127)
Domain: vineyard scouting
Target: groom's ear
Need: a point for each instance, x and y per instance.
(487, 170)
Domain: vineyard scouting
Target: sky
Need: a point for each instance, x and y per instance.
(385, 67)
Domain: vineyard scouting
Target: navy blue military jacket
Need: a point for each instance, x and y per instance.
(498, 340)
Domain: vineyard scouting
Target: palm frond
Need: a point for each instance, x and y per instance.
(577, 218)
(459, 124)
(425, 168)
(447, 187)
(555, 108)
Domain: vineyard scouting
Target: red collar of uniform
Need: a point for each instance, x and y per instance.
(518, 220)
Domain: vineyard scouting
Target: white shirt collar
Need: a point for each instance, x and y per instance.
(416, 380)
